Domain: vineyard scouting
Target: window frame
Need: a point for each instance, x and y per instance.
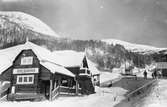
(23, 79)
(27, 60)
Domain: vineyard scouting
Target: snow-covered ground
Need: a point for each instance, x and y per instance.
(157, 97)
(107, 76)
(104, 97)
(100, 99)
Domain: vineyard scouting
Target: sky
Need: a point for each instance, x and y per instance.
(135, 21)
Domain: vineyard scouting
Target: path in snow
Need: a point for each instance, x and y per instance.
(157, 96)
(135, 101)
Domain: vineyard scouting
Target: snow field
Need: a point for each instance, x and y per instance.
(158, 95)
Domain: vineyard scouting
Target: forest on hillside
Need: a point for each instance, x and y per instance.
(105, 55)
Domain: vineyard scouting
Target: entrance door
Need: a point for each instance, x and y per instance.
(45, 85)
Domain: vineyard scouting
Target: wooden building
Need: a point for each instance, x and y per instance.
(32, 72)
(161, 64)
(36, 73)
(85, 70)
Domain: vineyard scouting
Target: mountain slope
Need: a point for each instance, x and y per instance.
(25, 21)
(15, 27)
(144, 49)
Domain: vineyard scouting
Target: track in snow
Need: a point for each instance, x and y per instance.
(137, 100)
(157, 96)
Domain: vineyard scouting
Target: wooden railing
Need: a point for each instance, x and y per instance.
(55, 92)
(67, 90)
(4, 91)
(62, 90)
(140, 89)
(109, 82)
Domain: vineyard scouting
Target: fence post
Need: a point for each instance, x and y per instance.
(50, 92)
(76, 87)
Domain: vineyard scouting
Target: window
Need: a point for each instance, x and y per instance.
(84, 71)
(30, 79)
(20, 79)
(25, 79)
(27, 60)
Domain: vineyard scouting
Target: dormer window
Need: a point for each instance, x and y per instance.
(27, 60)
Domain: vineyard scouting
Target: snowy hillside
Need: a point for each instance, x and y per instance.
(134, 47)
(25, 21)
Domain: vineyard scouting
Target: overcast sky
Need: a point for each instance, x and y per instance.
(136, 21)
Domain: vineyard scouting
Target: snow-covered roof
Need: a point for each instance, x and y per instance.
(93, 67)
(70, 58)
(54, 61)
(9, 54)
(57, 69)
(27, 21)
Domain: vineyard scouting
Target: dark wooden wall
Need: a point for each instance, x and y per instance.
(17, 64)
(74, 70)
(26, 53)
(44, 74)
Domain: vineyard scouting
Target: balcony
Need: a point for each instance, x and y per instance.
(84, 72)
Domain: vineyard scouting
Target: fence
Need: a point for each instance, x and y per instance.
(62, 90)
(4, 90)
(110, 82)
(55, 93)
(3, 94)
(140, 89)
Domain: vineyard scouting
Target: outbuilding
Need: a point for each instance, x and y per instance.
(161, 64)
(85, 70)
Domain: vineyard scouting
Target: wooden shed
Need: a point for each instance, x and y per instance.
(32, 72)
(85, 70)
